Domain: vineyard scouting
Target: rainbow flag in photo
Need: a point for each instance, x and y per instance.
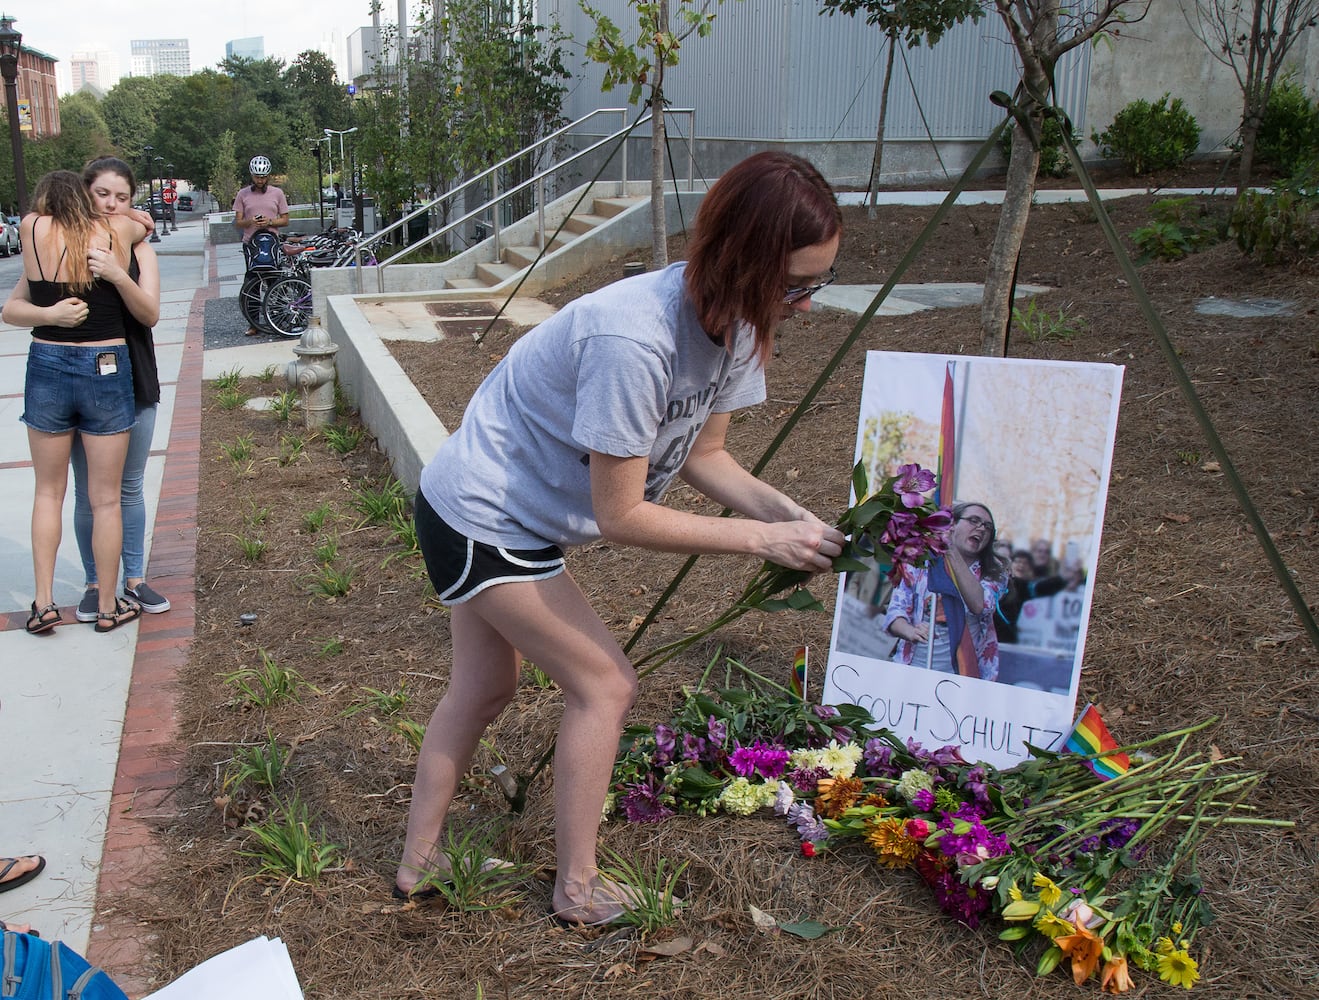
(798, 683)
(943, 493)
(1089, 735)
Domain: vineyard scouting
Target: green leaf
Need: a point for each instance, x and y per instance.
(808, 929)
(1015, 933)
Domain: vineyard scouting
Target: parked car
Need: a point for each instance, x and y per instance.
(185, 203)
(158, 209)
(9, 241)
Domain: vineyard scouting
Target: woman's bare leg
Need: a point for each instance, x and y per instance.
(553, 625)
(50, 463)
(482, 681)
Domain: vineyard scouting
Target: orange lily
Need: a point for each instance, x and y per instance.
(1084, 949)
(1115, 978)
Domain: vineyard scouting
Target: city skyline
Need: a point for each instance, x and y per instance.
(286, 32)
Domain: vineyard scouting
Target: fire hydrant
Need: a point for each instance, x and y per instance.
(313, 373)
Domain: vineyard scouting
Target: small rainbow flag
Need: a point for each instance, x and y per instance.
(798, 683)
(1089, 735)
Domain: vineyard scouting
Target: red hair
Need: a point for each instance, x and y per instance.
(753, 217)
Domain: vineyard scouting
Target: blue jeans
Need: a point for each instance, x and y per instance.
(131, 500)
(66, 389)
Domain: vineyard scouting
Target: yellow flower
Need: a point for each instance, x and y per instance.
(1014, 892)
(890, 841)
(1053, 926)
(1178, 968)
(1050, 894)
(1115, 978)
(834, 796)
(1163, 946)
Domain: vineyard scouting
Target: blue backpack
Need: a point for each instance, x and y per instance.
(38, 970)
(264, 250)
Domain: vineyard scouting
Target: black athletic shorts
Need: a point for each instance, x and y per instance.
(461, 568)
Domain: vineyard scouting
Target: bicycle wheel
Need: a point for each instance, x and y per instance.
(288, 306)
(250, 295)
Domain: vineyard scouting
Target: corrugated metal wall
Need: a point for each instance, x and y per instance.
(779, 70)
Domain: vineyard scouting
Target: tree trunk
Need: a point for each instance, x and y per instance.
(995, 309)
(877, 163)
(1249, 133)
(659, 227)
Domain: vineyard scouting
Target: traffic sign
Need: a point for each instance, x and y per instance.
(168, 195)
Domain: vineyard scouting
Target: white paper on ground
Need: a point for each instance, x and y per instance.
(258, 970)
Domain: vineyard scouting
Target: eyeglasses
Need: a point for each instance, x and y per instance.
(979, 522)
(806, 291)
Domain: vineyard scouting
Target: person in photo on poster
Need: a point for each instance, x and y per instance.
(962, 587)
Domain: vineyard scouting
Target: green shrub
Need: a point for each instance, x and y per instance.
(1289, 133)
(1280, 225)
(1179, 227)
(1053, 159)
(1147, 136)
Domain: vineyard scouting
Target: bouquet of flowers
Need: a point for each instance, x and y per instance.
(896, 525)
(1100, 874)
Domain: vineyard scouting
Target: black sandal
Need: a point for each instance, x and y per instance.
(39, 623)
(124, 612)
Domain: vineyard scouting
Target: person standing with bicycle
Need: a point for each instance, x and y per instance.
(258, 208)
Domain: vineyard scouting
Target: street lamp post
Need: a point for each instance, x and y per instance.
(151, 192)
(320, 180)
(164, 218)
(11, 45)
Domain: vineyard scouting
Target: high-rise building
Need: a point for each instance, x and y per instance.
(160, 57)
(246, 48)
(99, 70)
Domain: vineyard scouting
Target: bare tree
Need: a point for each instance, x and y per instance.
(1252, 37)
(1041, 31)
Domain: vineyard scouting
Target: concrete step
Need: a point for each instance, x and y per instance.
(521, 256)
(493, 274)
(584, 223)
(609, 207)
(465, 283)
(562, 240)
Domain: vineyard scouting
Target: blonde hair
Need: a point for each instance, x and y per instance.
(62, 197)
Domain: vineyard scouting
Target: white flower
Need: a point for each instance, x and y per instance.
(914, 781)
(784, 797)
(741, 798)
(841, 761)
(806, 758)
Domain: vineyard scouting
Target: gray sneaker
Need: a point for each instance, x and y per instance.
(151, 602)
(89, 605)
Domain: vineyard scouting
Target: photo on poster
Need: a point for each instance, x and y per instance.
(982, 648)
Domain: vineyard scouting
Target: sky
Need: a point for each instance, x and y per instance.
(108, 25)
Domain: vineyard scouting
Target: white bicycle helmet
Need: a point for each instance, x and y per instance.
(259, 166)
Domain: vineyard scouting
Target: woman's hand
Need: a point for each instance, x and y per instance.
(67, 313)
(106, 266)
(807, 544)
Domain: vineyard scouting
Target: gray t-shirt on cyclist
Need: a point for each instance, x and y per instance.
(516, 472)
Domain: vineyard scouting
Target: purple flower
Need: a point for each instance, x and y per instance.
(825, 712)
(923, 801)
(666, 742)
(804, 779)
(968, 903)
(769, 761)
(717, 730)
(641, 803)
(975, 845)
(977, 783)
(808, 825)
(1117, 832)
(947, 756)
(693, 747)
(878, 757)
(902, 526)
(937, 522)
(911, 482)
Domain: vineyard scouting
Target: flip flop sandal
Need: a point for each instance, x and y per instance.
(39, 623)
(23, 879)
(124, 612)
(425, 893)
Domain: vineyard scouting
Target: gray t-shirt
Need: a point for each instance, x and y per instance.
(624, 371)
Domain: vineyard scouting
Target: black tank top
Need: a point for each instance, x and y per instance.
(105, 309)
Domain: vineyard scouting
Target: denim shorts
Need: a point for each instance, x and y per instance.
(67, 388)
(460, 568)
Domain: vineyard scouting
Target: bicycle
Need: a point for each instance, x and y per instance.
(280, 296)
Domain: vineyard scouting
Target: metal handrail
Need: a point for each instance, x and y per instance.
(538, 180)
